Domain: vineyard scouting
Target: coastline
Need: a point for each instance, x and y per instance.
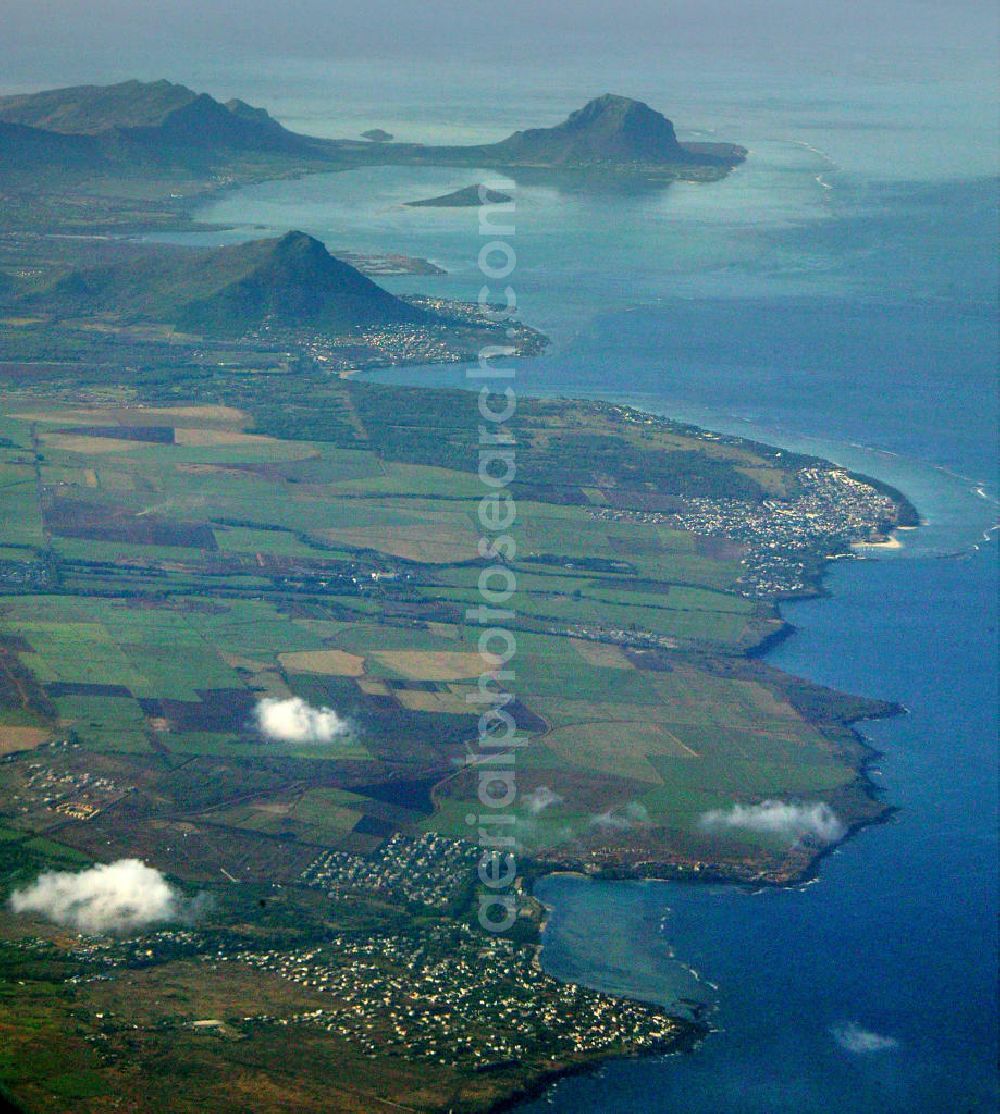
(908, 899)
(807, 872)
(688, 1042)
(810, 873)
(867, 709)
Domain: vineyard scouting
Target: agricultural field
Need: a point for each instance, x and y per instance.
(174, 563)
(240, 642)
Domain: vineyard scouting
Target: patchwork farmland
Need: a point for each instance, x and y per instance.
(172, 563)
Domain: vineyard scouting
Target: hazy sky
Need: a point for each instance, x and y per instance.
(104, 38)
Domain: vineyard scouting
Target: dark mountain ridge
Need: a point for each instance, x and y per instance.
(609, 132)
(163, 123)
(289, 282)
(607, 129)
(24, 148)
(141, 122)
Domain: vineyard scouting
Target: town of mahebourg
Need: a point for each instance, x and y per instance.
(349, 649)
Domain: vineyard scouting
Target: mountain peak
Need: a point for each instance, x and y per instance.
(290, 281)
(146, 111)
(610, 129)
(96, 108)
(298, 241)
(610, 102)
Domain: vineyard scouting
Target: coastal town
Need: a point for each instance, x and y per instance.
(442, 991)
(453, 994)
(463, 329)
(783, 538)
(428, 869)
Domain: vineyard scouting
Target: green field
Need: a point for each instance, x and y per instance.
(196, 557)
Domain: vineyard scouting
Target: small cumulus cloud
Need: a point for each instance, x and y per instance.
(538, 800)
(118, 897)
(861, 1042)
(635, 812)
(781, 818)
(295, 721)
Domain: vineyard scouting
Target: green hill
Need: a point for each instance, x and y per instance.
(95, 108)
(32, 151)
(134, 125)
(609, 130)
(291, 282)
(140, 114)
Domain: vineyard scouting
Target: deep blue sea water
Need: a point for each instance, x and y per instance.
(836, 294)
(898, 937)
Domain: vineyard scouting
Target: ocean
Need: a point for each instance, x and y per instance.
(836, 294)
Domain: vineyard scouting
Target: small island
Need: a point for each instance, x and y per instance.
(377, 135)
(463, 198)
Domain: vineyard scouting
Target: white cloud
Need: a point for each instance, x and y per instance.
(293, 720)
(851, 1037)
(635, 812)
(111, 897)
(782, 818)
(540, 799)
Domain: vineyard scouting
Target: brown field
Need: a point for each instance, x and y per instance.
(770, 479)
(435, 543)
(237, 661)
(207, 412)
(436, 665)
(417, 700)
(767, 702)
(335, 663)
(80, 443)
(601, 654)
(13, 738)
(84, 417)
(198, 437)
(189, 991)
(371, 687)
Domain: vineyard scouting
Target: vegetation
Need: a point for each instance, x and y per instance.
(204, 517)
(187, 546)
(199, 562)
(609, 130)
(135, 155)
(290, 282)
